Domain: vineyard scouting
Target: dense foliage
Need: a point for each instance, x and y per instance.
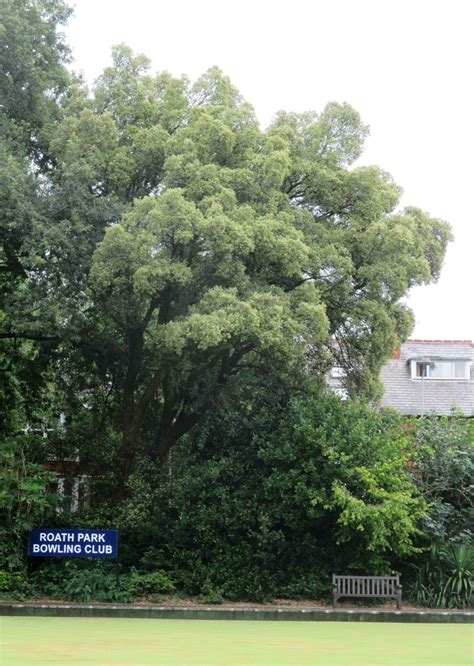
(444, 577)
(25, 501)
(444, 476)
(171, 275)
(445, 473)
(273, 495)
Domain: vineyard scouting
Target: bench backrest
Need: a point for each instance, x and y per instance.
(366, 586)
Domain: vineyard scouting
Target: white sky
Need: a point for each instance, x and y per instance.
(405, 65)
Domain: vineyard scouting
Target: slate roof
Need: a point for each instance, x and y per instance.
(440, 395)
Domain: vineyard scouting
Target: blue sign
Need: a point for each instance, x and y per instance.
(73, 543)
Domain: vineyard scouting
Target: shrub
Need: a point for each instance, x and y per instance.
(25, 501)
(12, 581)
(15, 585)
(445, 578)
(85, 581)
(151, 583)
(210, 594)
(458, 565)
(444, 471)
(276, 493)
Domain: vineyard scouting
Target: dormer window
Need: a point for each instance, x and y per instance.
(419, 369)
(439, 369)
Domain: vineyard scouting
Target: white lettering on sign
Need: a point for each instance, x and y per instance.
(92, 538)
(92, 549)
(58, 549)
(97, 538)
(57, 537)
(64, 543)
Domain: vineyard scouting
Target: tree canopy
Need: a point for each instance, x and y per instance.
(157, 241)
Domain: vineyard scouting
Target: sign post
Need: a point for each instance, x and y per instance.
(73, 543)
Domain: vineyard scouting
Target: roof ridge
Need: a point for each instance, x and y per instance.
(439, 342)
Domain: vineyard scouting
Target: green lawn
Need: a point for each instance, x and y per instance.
(104, 641)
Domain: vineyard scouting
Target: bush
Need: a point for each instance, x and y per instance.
(8, 580)
(458, 565)
(444, 464)
(308, 586)
(273, 494)
(85, 581)
(445, 578)
(151, 583)
(15, 585)
(25, 501)
(12, 581)
(210, 594)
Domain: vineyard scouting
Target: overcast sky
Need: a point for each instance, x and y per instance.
(405, 65)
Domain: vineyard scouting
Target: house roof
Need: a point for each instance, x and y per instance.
(439, 395)
(440, 349)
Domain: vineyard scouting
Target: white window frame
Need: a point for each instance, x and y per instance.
(428, 375)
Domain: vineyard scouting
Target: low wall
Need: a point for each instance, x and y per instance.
(214, 613)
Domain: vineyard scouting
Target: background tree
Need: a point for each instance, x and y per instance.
(33, 80)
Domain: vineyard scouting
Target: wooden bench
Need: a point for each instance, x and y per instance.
(367, 587)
